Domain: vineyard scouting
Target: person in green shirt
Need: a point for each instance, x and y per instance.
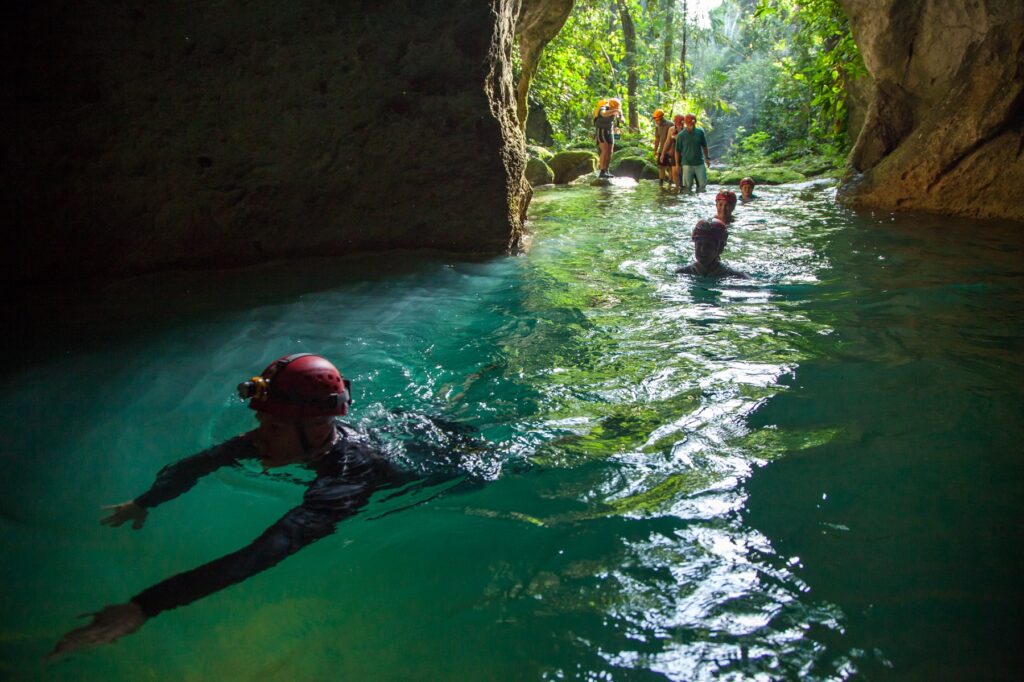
(692, 152)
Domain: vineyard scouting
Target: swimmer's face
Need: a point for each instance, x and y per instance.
(706, 251)
(276, 436)
(724, 209)
(747, 190)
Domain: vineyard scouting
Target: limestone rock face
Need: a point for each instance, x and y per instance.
(945, 128)
(144, 136)
(538, 23)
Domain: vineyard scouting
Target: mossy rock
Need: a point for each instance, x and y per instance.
(634, 167)
(815, 167)
(650, 171)
(538, 173)
(570, 165)
(774, 175)
(630, 153)
(535, 151)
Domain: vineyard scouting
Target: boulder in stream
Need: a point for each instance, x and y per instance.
(570, 165)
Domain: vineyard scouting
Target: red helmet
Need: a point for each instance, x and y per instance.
(728, 195)
(690, 118)
(710, 229)
(678, 120)
(300, 385)
(747, 181)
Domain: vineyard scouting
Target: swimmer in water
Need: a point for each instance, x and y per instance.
(709, 237)
(725, 204)
(297, 400)
(746, 189)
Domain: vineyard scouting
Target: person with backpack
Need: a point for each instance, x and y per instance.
(605, 117)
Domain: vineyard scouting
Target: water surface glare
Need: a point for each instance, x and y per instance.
(815, 473)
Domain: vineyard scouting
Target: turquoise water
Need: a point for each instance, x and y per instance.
(812, 474)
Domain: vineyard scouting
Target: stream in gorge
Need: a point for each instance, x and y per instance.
(815, 473)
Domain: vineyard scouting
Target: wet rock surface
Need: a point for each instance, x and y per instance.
(945, 128)
(155, 136)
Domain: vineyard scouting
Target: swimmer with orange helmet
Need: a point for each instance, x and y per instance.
(605, 118)
(297, 400)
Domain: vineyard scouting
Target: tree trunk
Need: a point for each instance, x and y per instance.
(682, 54)
(629, 36)
(537, 25)
(666, 75)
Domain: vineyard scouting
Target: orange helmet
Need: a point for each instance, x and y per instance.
(689, 118)
(658, 114)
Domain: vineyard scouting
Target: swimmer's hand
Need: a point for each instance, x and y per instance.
(113, 622)
(126, 511)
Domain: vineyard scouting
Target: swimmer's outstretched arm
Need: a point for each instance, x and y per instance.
(175, 479)
(328, 501)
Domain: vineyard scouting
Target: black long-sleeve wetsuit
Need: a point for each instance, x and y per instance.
(346, 477)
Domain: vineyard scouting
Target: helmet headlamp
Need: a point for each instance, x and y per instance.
(256, 387)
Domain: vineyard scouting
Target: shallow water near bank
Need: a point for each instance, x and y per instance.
(811, 474)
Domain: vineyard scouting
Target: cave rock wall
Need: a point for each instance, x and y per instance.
(945, 128)
(152, 135)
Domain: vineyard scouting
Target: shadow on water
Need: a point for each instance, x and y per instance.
(93, 314)
(907, 516)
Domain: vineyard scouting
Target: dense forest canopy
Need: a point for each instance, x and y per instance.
(765, 77)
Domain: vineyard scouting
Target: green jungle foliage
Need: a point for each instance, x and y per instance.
(767, 79)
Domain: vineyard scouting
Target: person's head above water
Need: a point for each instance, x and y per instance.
(709, 237)
(296, 399)
(725, 202)
(747, 187)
